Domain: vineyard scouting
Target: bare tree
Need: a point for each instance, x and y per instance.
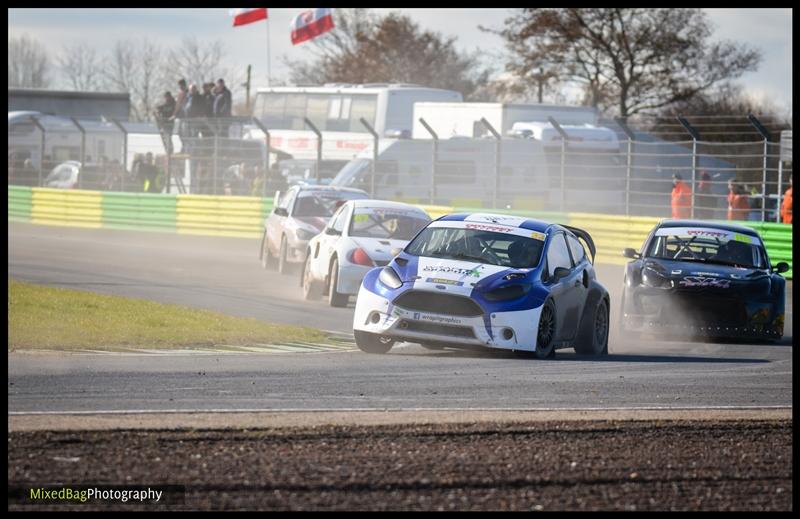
(28, 63)
(81, 67)
(138, 70)
(627, 60)
(365, 49)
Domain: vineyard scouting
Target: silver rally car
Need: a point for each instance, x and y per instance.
(298, 215)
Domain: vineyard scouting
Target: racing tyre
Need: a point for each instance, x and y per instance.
(334, 297)
(311, 288)
(283, 264)
(593, 335)
(267, 259)
(624, 333)
(372, 343)
(545, 338)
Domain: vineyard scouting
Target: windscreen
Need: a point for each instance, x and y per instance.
(708, 245)
(390, 224)
(493, 248)
(321, 203)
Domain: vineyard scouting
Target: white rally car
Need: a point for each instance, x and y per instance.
(360, 236)
(299, 214)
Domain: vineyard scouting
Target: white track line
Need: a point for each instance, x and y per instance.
(403, 409)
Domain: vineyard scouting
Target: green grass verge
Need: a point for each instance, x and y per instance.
(41, 317)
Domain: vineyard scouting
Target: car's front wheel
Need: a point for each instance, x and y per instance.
(267, 259)
(372, 343)
(311, 288)
(593, 338)
(545, 338)
(334, 297)
(283, 262)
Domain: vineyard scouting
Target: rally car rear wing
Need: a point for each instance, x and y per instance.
(583, 235)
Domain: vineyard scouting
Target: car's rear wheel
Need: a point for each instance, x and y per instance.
(545, 338)
(283, 263)
(267, 259)
(311, 288)
(593, 335)
(334, 297)
(372, 343)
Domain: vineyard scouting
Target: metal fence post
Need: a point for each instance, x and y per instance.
(628, 163)
(83, 151)
(375, 138)
(319, 145)
(564, 139)
(41, 153)
(695, 137)
(124, 160)
(435, 157)
(214, 152)
(765, 135)
(780, 190)
(497, 162)
(266, 164)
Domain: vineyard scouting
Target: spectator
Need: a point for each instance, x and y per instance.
(681, 198)
(703, 197)
(738, 204)
(164, 120)
(786, 206)
(208, 99)
(180, 109)
(756, 202)
(194, 109)
(148, 174)
(222, 100)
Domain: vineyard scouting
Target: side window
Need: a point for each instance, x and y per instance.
(337, 222)
(557, 254)
(577, 250)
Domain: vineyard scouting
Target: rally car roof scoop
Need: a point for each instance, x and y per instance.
(583, 235)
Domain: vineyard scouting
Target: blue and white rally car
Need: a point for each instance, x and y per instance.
(497, 281)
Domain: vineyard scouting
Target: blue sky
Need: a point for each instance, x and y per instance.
(769, 30)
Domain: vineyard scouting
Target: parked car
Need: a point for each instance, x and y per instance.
(487, 280)
(701, 278)
(298, 215)
(359, 237)
(64, 176)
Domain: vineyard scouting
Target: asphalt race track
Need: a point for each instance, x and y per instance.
(224, 274)
(652, 426)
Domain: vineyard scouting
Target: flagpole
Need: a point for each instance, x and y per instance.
(269, 56)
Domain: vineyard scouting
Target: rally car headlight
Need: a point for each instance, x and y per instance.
(508, 292)
(651, 278)
(390, 278)
(304, 234)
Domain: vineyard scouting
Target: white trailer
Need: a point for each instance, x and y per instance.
(463, 119)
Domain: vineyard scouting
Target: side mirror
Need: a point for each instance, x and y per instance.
(781, 267)
(631, 253)
(560, 272)
(332, 232)
(395, 251)
(281, 211)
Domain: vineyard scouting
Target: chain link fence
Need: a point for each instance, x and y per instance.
(220, 156)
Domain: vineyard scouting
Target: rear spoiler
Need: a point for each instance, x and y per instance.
(583, 235)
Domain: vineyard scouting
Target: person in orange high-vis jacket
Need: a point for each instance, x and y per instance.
(738, 202)
(786, 206)
(681, 198)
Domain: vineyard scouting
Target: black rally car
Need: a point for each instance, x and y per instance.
(703, 278)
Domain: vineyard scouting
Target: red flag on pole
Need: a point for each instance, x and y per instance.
(310, 24)
(248, 15)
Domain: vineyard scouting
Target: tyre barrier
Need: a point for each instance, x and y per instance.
(243, 217)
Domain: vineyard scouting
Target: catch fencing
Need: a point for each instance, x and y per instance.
(243, 217)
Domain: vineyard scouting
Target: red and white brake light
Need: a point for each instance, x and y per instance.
(360, 257)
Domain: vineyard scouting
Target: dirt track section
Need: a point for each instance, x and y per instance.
(548, 465)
